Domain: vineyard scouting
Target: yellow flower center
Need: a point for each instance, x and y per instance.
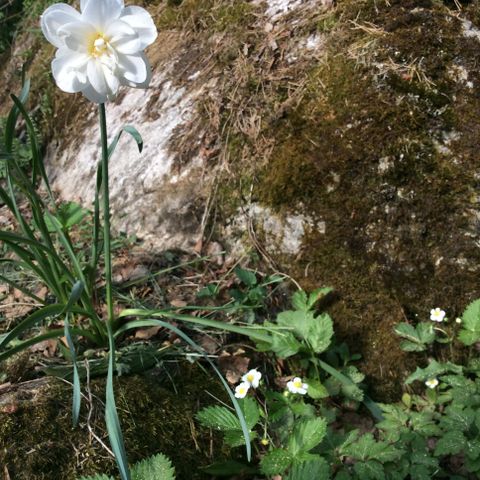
(297, 384)
(242, 390)
(250, 377)
(98, 46)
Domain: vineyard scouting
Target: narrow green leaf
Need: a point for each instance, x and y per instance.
(131, 131)
(111, 416)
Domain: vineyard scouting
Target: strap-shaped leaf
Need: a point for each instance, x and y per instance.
(111, 415)
(75, 295)
(38, 166)
(131, 131)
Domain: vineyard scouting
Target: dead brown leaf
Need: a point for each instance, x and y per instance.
(147, 333)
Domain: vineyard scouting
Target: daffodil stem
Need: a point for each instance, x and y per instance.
(106, 216)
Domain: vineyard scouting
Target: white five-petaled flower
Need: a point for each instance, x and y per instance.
(432, 383)
(297, 386)
(252, 377)
(100, 48)
(437, 315)
(241, 390)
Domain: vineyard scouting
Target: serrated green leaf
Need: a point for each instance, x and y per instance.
(416, 338)
(300, 301)
(276, 462)
(472, 450)
(317, 469)
(357, 447)
(433, 370)
(457, 417)
(307, 434)
(470, 332)
(451, 443)
(320, 334)
(370, 470)
(299, 321)
(219, 418)
(251, 411)
(247, 277)
(235, 438)
(316, 389)
(154, 468)
(284, 344)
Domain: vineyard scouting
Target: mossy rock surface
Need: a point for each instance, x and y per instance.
(37, 440)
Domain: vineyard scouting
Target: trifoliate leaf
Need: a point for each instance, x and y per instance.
(416, 338)
(276, 462)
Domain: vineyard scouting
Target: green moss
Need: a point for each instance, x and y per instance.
(38, 441)
(206, 15)
(364, 151)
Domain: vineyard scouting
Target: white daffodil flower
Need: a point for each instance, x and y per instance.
(100, 48)
(297, 386)
(241, 390)
(252, 377)
(432, 383)
(437, 315)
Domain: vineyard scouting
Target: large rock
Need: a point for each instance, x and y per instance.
(341, 141)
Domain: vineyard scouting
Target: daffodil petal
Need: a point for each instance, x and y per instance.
(96, 77)
(101, 13)
(55, 17)
(94, 96)
(141, 21)
(70, 70)
(111, 81)
(134, 69)
(123, 37)
(77, 35)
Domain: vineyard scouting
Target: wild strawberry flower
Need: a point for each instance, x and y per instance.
(252, 377)
(297, 386)
(458, 320)
(432, 383)
(437, 315)
(241, 390)
(99, 48)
